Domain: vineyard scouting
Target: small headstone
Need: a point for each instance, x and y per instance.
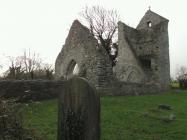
(169, 118)
(79, 111)
(164, 107)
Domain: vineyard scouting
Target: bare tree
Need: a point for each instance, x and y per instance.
(15, 69)
(31, 62)
(102, 24)
(24, 66)
(182, 76)
(49, 69)
(182, 73)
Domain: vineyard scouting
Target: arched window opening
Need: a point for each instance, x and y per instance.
(76, 69)
(149, 24)
(72, 70)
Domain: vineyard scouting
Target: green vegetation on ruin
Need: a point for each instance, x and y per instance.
(125, 117)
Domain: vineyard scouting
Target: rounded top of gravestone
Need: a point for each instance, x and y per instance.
(79, 111)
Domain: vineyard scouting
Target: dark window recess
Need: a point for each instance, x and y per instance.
(156, 68)
(146, 63)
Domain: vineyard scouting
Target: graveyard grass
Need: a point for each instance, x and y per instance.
(122, 118)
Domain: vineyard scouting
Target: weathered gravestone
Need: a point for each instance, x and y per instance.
(79, 111)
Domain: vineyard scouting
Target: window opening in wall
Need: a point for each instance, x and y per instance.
(146, 63)
(76, 69)
(113, 53)
(73, 69)
(149, 24)
(156, 68)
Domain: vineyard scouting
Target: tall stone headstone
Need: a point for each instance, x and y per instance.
(79, 111)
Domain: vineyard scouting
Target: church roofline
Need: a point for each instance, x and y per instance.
(150, 11)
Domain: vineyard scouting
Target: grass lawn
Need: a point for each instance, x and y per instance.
(122, 118)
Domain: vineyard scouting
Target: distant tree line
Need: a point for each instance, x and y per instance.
(28, 66)
(182, 77)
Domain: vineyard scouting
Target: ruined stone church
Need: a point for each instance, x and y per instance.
(143, 64)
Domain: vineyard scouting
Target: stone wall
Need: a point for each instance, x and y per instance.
(128, 67)
(144, 52)
(160, 62)
(83, 49)
(126, 88)
(25, 90)
(143, 55)
(163, 57)
(150, 17)
(37, 90)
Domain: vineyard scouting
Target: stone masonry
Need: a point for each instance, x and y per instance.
(81, 50)
(144, 52)
(143, 56)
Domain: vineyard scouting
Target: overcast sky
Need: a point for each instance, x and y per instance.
(43, 25)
